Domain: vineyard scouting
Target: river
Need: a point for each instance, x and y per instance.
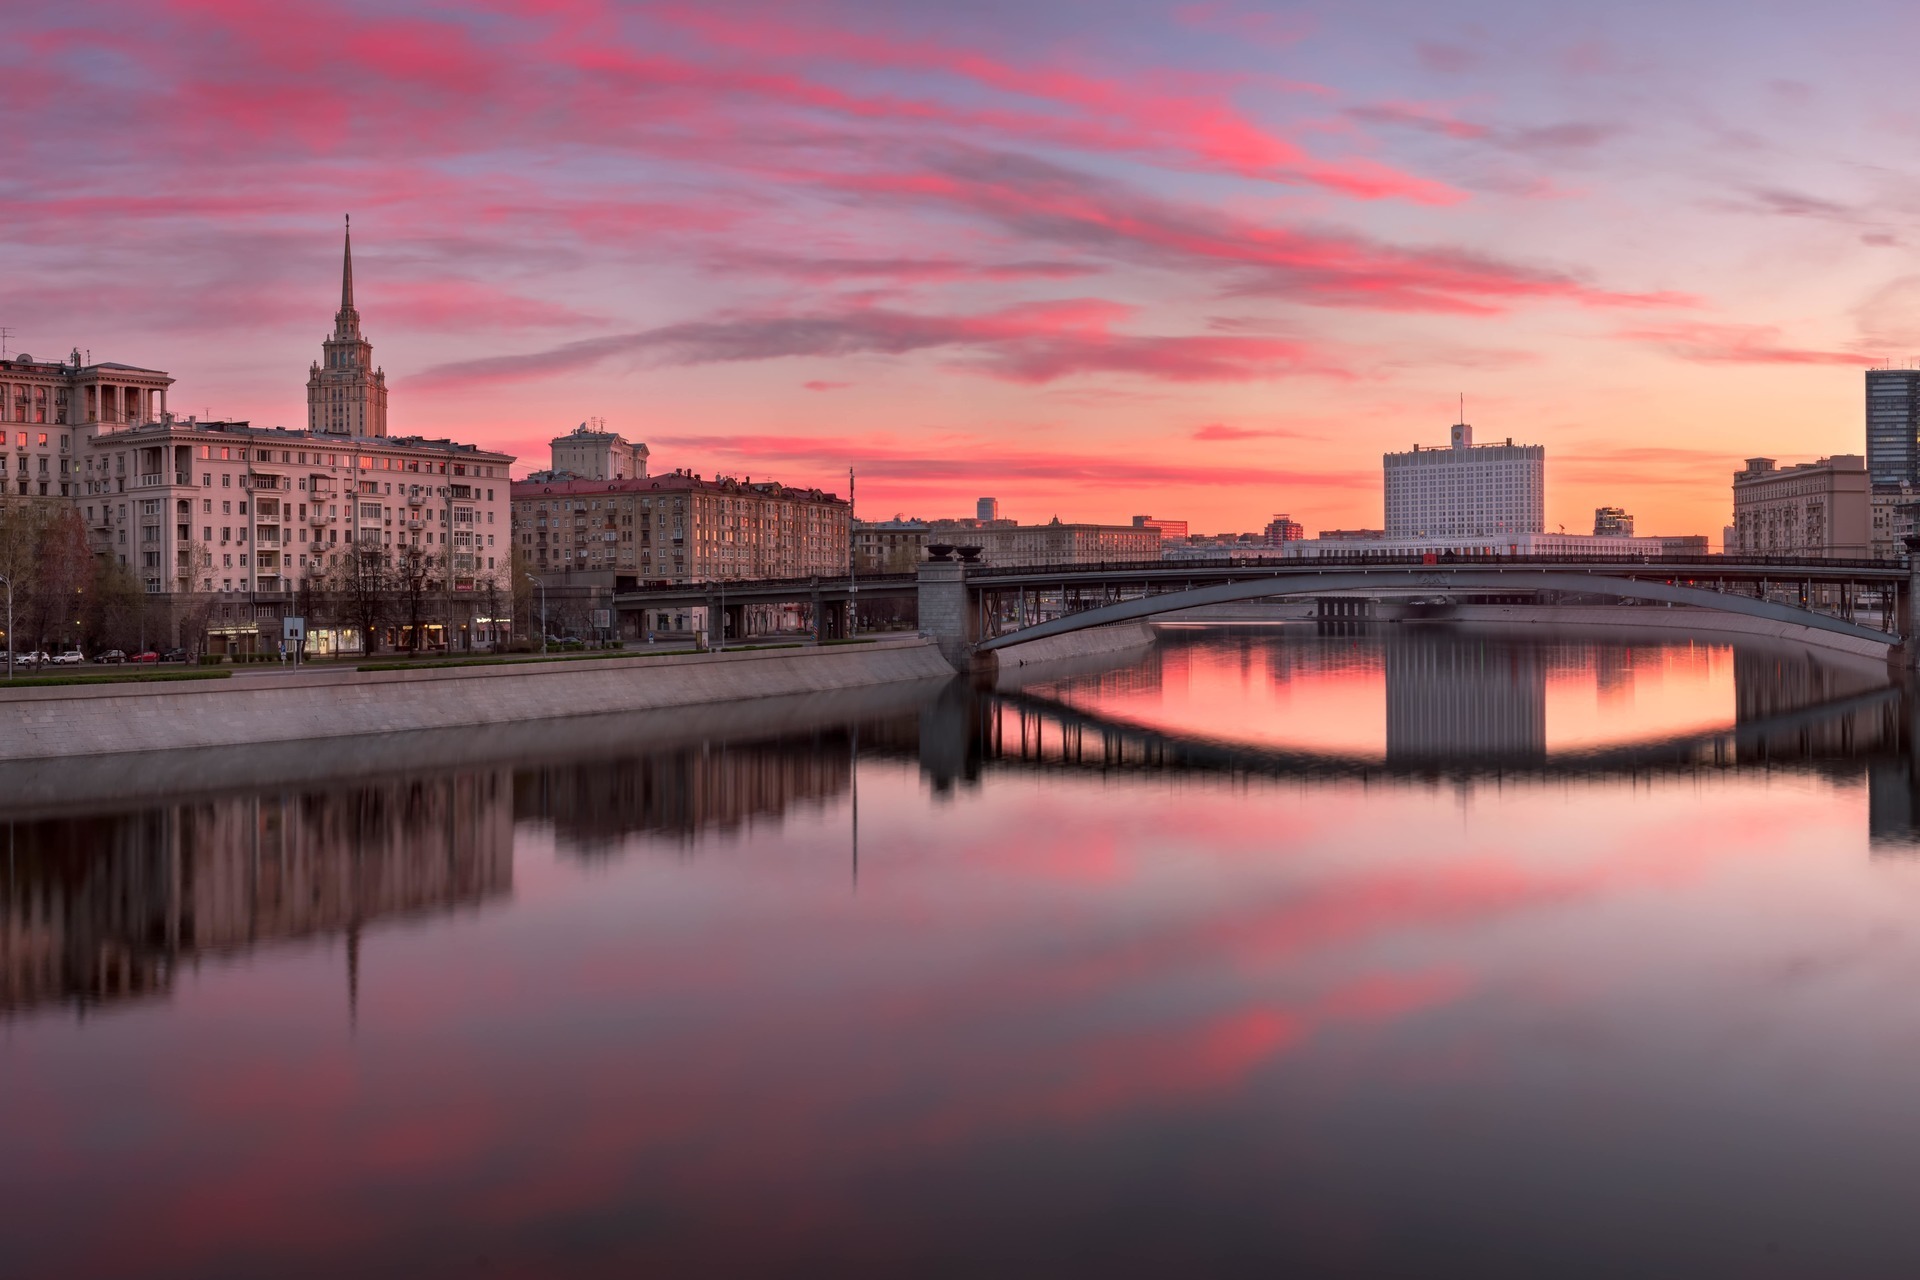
(1404, 951)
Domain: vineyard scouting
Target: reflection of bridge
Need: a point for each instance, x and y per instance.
(975, 609)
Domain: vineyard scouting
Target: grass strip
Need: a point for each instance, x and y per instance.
(521, 660)
(128, 677)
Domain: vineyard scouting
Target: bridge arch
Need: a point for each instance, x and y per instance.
(1444, 580)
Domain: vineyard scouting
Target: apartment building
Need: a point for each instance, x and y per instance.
(678, 528)
(1822, 508)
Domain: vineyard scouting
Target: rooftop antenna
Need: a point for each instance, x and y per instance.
(5, 333)
(1463, 406)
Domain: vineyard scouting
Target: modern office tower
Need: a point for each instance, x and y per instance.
(1893, 425)
(1612, 522)
(1466, 490)
(986, 509)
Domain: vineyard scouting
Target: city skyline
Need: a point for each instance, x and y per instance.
(1202, 259)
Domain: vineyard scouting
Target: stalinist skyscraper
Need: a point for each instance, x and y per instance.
(346, 395)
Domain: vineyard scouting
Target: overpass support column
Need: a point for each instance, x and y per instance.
(949, 613)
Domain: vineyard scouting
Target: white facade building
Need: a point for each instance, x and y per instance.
(1519, 544)
(1489, 491)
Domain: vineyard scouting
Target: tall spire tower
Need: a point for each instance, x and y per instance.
(346, 394)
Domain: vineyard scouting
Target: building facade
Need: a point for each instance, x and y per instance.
(1033, 545)
(1893, 425)
(590, 452)
(241, 518)
(1612, 522)
(1284, 528)
(1466, 490)
(986, 510)
(1170, 530)
(1519, 544)
(678, 528)
(889, 546)
(47, 410)
(1893, 512)
(1821, 508)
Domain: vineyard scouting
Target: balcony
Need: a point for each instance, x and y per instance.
(152, 480)
(320, 517)
(416, 499)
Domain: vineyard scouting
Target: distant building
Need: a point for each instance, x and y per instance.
(1170, 530)
(889, 546)
(1893, 511)
(1821, 508)
(1612, 522)
(1466, 490)
(1893, 426)
(678, 528)
(1284, 528)
(593, 453)
(1350, 535)
(1031, 545)
(1518, 544)
(1686, 544)
(44, 394)
(986, 509)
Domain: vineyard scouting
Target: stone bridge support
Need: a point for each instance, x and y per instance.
(950, 611)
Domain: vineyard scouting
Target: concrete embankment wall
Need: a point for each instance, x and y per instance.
(264, 707)
(1118, 639)
(1653, 618)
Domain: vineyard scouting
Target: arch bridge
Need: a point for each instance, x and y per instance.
(973, 610)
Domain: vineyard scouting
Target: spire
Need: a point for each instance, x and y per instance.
(346, 271)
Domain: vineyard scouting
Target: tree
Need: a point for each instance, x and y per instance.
(118, 610)
(195, 598)
(490, 594)
(360, 583)
(413, 586)
(522, 589)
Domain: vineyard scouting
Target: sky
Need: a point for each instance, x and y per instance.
(1203, 261)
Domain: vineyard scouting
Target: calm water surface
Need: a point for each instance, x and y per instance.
(1411, 952)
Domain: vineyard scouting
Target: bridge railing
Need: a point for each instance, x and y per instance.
(1705, 564)
(712, 585)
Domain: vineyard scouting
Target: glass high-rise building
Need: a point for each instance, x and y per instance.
(1893, 425)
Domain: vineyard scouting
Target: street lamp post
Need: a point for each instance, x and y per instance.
(9, 582)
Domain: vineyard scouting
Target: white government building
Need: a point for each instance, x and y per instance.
(1469, 499)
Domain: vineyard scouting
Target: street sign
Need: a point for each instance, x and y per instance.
(603, 618)
(293, 629)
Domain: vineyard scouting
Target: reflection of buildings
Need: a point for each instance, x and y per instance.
(95, 910)
(595, 807)
(1454, 694)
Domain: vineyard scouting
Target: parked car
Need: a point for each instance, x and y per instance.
(149, 656)
(71, 658)
(35, 658)
(174, 655)
(110, 655)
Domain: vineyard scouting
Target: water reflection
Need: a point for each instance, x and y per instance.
(102, 910)
(1443, 938)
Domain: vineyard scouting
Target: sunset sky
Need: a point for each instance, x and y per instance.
(1205, 261)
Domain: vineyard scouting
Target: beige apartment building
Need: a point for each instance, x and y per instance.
(679, 528)
(48, 409)
(1821, 508)
(591, 452)
(1036, 545)
(248, 515)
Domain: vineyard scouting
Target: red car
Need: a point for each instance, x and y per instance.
(148, 656)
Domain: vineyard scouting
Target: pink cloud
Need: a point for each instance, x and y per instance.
(1704, 343)
(1027, 343)
(817, 385)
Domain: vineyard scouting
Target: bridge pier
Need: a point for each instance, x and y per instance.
(950, 614)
